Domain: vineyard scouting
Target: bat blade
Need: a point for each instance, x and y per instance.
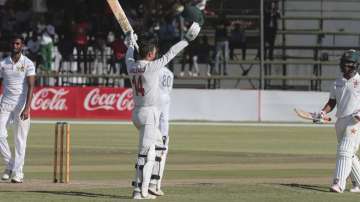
(120, 15)
(303, 114)
(310, 116)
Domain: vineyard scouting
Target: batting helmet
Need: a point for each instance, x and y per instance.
(350, 58)
(193, 14)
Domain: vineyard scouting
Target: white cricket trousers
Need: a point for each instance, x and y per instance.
(10, 116)
(347, 162)
(146, 120)
(164, 119)
(164, 129)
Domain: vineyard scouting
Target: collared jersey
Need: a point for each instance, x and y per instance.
(14, 81)
(144, 75)
(347, 95)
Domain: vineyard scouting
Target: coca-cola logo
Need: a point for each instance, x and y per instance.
(49, 99)
(96, 100)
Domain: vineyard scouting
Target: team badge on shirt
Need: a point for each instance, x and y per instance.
(353, 131)
(20, 68)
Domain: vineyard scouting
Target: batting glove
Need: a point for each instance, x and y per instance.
(318, 118)
(193, 32)
(130, 40)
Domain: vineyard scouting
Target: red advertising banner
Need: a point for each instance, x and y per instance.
(82, 103)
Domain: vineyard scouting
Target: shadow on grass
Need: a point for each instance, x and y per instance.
(77, 193)
(305, 186)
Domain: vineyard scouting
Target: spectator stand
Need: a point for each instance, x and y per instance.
(308, 51)
(326, 43)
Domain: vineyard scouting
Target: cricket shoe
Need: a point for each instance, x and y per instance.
(153, 190)
(336, 188)
(137, 196)
(355, 189)
(18, 178)
(156, 192)
(6, 175)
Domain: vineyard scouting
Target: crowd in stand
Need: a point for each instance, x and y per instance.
(82, 37)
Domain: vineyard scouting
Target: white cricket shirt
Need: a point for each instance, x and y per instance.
(166, 79)
(144, 75)
(14, 81)
(347, 95)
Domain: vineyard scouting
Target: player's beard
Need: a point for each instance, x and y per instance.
(348, 72)
(16, 51)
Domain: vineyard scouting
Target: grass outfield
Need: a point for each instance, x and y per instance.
(206, 163)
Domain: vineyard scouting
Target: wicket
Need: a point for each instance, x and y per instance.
(62, 130)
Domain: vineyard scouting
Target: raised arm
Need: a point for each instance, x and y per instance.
(130, 42)
(167, 57)
(129, 57)
(177, 48)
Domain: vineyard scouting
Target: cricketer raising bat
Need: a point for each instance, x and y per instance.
(311, 116)
(120, 15)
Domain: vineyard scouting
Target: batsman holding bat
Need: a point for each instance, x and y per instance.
(345, 94)
(144, 74)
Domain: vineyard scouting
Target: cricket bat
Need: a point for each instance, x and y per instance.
(120, 15)
(310, 116)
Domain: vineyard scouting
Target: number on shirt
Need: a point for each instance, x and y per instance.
(138, 85)
(166, 81)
